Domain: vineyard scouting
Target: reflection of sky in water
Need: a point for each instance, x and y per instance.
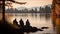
(35, 20)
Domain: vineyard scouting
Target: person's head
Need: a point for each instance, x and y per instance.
(27, 23)
(21, 20)
(28, 20)
(15, 18)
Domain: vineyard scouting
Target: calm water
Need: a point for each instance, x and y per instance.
(36, 20)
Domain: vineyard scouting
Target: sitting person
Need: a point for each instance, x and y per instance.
(27, 26)
(27, 23)
(21, 23)
(15, 22)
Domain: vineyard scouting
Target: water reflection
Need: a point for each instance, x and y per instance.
(36, 19)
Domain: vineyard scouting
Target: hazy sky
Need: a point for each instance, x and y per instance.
(32, 3)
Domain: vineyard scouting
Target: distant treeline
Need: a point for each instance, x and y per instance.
(45, 9)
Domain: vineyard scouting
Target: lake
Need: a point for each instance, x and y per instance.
(36, 20)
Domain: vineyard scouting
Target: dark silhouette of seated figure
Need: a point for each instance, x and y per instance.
(21, 23)
(29, 28)
(15, 22)
(27, 23)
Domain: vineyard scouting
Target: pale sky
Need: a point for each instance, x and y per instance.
(32, 3)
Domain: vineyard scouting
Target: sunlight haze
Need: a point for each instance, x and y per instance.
(32, 3)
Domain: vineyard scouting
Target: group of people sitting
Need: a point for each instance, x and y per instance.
(21, 22)
(27, 27)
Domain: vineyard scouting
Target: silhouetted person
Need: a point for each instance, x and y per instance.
(21, 23)
(27, 26)
(15, 22)
(21, 26)
(27, 23)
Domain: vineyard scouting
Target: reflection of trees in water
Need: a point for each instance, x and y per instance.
(30, 14)
(45, 15)
(34, 15)
(21, 14)
(27, 14)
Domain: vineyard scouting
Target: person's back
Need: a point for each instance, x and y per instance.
(21, 23)
(27, 23)
(15, 22)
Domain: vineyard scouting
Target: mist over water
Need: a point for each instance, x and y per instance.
(36, 20)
